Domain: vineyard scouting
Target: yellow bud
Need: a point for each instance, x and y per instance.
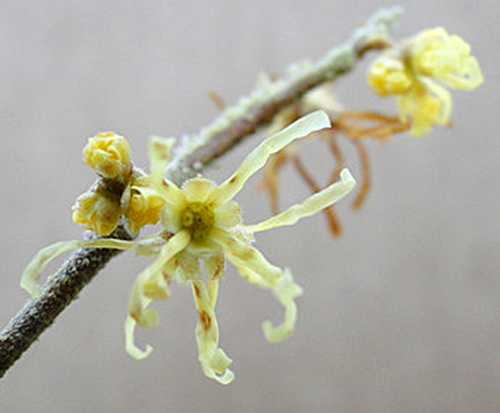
(143, 207)
(388, 76)
(108, 154)
(97, 212)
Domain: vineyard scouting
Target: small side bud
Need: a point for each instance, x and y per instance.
(388, 76)
(97, 212)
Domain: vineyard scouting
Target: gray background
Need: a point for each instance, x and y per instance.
(400, 315)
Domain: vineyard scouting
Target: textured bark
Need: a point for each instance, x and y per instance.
(61, 289)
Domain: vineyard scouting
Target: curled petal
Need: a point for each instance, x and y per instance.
(285, 291)
(158, 287)
(31, 275)
(152, 283)
(446, 58)
(130, 346)
(213, 359)
(258, 157)
(446, 102)
(254, 267)
(311, 205)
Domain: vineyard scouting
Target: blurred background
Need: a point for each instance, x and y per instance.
(401, 314)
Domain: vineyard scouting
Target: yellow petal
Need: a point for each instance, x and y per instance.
(388, 76)
(213, 359)
(247, 256)
(198, 189)
(188, 268)
(159, 155)
(311, 205)
(249, 275)
(31, 275)
(171, 215)
(285, 291)
(214, 266)
(255, 268)
(427, 104)
(436, 54)
(258, 157)
(158, 287)
(145, 286)
(29, 279)
(130, 346)
(228, 215)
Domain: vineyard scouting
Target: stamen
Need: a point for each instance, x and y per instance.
(270, 179)
(365, 175)
(338, 156)
(217, 99)
(199, 220)
(384, 126)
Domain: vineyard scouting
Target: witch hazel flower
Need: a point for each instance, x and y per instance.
(413, 74)
(202, 224)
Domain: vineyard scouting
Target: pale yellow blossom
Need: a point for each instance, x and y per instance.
(436, 54)
(202, 224)
(411, 73)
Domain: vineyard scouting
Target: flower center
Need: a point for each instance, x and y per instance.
(199, 220)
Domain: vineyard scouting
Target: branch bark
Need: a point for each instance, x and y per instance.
(194, 153)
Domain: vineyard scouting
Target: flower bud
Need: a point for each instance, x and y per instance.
(108, 154)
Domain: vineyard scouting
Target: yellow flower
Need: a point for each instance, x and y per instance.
(108, 154)
(202, 223)
(410, 74)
